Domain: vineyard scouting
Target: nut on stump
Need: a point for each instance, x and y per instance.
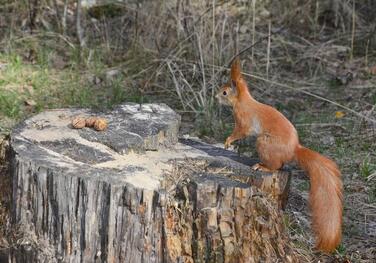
(100, 124)
(90, 121)
(78, 123)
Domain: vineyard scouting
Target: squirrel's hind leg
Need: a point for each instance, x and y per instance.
(272, 154)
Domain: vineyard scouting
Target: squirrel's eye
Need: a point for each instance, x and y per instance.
(224, 93)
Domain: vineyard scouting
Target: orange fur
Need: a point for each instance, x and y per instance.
(277, 144)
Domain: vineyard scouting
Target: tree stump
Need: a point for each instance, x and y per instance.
(134, 193)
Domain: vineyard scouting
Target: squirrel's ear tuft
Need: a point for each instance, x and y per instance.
(236, 70)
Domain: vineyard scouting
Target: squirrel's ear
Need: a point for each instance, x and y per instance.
(236, 70)
(233, 87)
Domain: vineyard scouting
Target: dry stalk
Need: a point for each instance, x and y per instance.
(177, 87)
(352, 31)
(268, 51)
(366, 55)
(222, 37)
(79, 29)
(203, 91)
(64, 17)
(316, 18)
(253, 28)
(213, 46)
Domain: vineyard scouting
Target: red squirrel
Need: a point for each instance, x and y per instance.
(278, 143)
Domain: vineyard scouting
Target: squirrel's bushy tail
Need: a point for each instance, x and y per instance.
(325, 197)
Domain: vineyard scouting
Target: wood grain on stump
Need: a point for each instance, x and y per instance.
(134, 193)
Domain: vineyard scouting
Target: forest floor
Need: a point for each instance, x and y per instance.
(27, 88)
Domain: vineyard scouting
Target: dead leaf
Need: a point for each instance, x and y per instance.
(30, 102)
(339, 114)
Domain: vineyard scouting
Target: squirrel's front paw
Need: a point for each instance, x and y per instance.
(227, 143)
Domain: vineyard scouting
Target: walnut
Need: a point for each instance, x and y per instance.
(90, 121)
(78, 123)
(100, 124)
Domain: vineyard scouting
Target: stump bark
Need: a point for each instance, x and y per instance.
(134, 193)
